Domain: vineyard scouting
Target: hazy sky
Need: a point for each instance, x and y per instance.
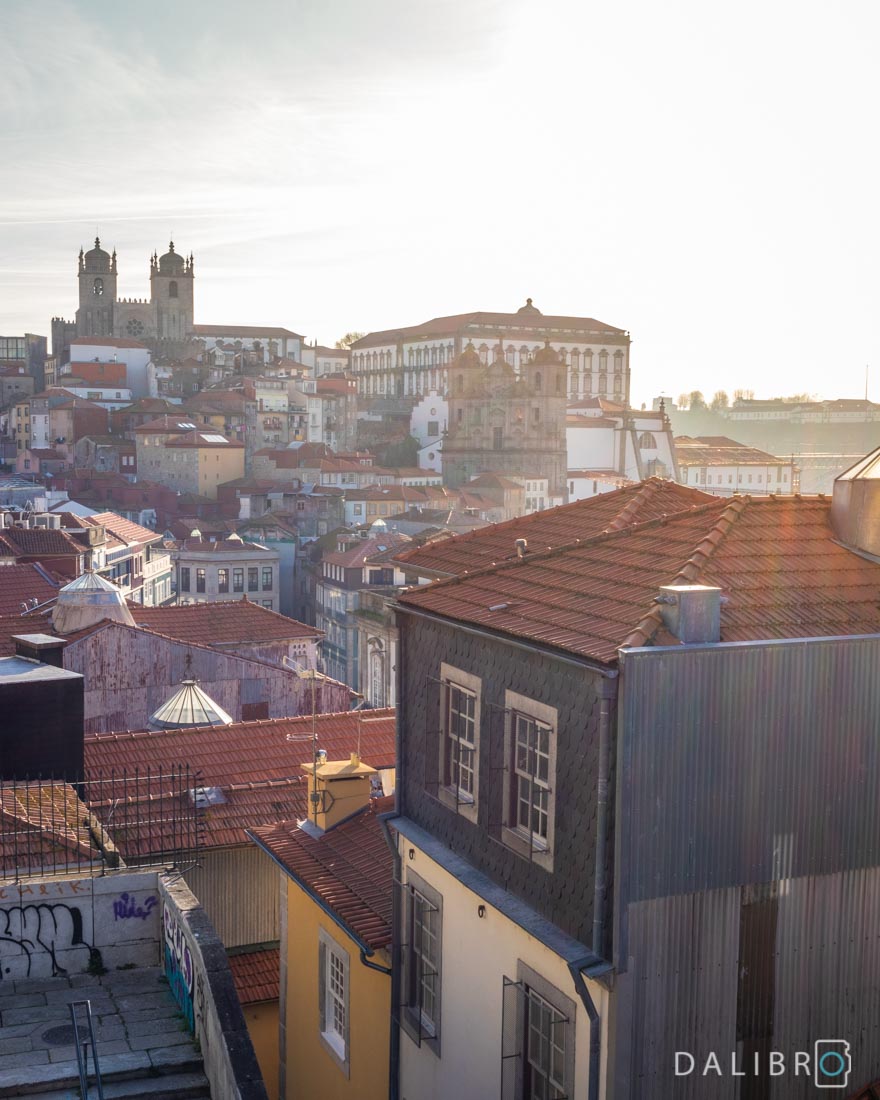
(702, 174)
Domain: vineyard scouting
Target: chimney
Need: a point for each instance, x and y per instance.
(338, 789)
(40, 647)
(692, 612)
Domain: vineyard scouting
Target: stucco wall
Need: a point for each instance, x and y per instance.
(311, 1072)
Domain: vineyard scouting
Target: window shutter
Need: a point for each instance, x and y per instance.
(322, 986)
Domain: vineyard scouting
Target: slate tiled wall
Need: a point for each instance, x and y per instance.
(564, 895)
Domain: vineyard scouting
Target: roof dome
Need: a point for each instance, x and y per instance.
(546, 355)
(529, 309)
(171, 263)
(96, 259)
(86, 601)
(189, 706)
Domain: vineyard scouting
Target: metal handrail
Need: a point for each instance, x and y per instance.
(82, 1051)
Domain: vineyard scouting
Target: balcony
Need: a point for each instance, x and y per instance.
(155, 565)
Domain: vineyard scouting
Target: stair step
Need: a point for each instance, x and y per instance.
(61, 1079)
(169, 1086)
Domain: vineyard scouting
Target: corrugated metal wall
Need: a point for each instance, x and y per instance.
(747, 908)
(238, 888)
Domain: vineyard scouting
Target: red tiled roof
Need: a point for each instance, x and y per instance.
(718, 450)
(349, 869)
(204, 437)
(171, 424)
(255, 974)
(256, 764)
(530, 326)
(365, 550)
(125, 529)
(43, 541)
(43, 825)
(221, 623)
(242, 330)
(553, 527)
(774, 558)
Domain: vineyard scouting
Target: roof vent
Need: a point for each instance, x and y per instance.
(692, 612)
(522, 547)
(203, 797)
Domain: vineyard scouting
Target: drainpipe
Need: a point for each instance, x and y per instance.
(394, 1046)
(606, 694)
(595, 1023)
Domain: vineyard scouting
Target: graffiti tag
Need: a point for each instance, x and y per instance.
(126, 906)
(28, 932)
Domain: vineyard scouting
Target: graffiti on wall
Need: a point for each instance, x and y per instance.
(179, 967)
(40, 930)
(126, 907)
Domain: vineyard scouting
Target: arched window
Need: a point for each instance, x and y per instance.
(538, 381)
(575, 359)
(559, 377)
(459, 385)
(647, 441)
(377, 679)
(98, 288)
(172, 289)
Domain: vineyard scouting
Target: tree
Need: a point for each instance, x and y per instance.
(719, 401)
(696, 400)
(743, 395)
(683, 401)
(349, 338)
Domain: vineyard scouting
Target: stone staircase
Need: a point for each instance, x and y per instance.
(145, 1048)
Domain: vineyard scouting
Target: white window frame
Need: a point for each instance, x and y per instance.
(418, 964)
(453, 681)
(536, 847)
(334, 983)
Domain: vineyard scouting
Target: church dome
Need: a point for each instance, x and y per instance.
(172, 263)
(96, 259)
(546, 356)
(189, 706)
(86, 601)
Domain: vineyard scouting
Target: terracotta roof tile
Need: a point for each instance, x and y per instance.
(774, 558)
(221, 623)
(349, 868)
(255, 974)
(125, 529)
(47, 542)
(256, 764)
(554, 527)
(19, 583)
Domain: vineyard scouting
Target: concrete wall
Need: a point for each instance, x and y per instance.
(198, 972)
(61, 925)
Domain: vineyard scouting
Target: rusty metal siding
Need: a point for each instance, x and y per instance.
(130, 673)
(747, 906)
(238, 888)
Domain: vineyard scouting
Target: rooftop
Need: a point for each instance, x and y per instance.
(719, 450)
(243, 330)
(256, 974)
(20, 583)
(553, 527)
(775, 559)
(348, 868)
(256, 765)
(222, 623)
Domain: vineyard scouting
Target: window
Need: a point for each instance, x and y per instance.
(647, 441)
(267, 577)
(538, 1035)
(333, 1007)
(222, 580)
(459, 740)
(238, 580)
(497, 439)
(530, 804)
(200, 580)
(433, 427)
(252, 579)
(172, 289)
(420, 986)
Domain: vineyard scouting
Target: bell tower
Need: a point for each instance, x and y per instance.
(172, 277)
(97, 292)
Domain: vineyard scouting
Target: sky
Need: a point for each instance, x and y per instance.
(703, 175)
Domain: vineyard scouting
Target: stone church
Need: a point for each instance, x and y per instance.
(162, 322)
(505, 421)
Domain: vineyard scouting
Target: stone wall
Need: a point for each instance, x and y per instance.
(198, 973)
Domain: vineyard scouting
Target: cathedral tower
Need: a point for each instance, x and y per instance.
(97, 292)
(504, 422)
(171, 293)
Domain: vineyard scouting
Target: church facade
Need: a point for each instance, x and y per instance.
(162, 322)
(506, 421)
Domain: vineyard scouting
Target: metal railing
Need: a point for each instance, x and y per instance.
(100, 822)
(81, 1046)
